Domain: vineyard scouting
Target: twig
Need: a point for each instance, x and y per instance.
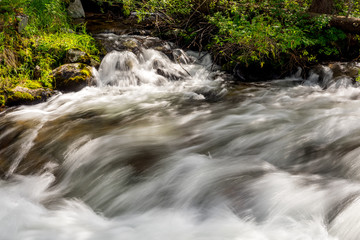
(177, 60)
(195, 11)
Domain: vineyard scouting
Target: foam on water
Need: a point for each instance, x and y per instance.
(24, 216)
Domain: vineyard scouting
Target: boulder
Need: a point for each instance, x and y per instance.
(22, 95)
(78, 56)
(112, 42)
(22, 22)
(73, 77)
(75, 9)
(335, 74)
(74, 55)
(349, 69)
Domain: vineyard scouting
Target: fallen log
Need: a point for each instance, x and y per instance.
(346, 24)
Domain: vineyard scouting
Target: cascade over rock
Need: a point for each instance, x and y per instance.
(335, 73)
(132, 43)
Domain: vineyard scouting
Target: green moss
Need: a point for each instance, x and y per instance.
(20, 96)
(81, 66)
(86, 72)
(77, 79)
(2, 101)
(358, 77)
(32, 84)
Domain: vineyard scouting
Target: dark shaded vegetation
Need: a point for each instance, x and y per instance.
(247, 37)
(252, 34)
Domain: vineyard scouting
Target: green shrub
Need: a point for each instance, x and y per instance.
(255, 35)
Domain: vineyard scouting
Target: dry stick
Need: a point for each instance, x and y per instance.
(194, 13)
(202, 30)
(157, 22)
(201, 37)
(177, 60)
(193, 41)
(295, 59)
(168, 17)
(351, 4)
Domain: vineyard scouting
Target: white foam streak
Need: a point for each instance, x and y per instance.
(27, 144)
(27, 219)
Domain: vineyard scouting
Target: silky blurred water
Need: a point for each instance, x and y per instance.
(166, 149)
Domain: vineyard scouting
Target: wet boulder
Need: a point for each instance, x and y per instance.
(112, 42)
(174, 76)
(73, 77)
(22, 95)
(348, 69)
(335, 74)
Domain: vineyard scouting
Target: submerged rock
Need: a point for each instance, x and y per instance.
(22, 95)
(73, 77)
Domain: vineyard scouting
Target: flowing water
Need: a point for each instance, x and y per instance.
(167, 149)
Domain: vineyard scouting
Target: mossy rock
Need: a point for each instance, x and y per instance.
(78, 56)
(73, 77)
(25, 96)
(32, 84)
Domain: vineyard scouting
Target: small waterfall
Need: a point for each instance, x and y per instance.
(151, 67)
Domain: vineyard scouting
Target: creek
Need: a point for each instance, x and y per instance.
(166, 147)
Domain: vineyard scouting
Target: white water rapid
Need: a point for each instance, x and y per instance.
(165, 149)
